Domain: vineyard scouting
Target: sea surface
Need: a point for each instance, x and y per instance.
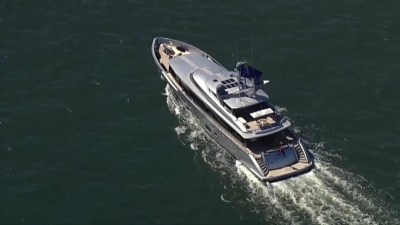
(89, 134)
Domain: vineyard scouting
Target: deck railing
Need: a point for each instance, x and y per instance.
(305, 153)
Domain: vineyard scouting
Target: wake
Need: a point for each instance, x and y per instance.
(327, 195)
(319, 197)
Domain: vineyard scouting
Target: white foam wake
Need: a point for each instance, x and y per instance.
(327, 195)
(314, 198)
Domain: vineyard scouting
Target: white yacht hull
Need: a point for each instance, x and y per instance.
(224, 137)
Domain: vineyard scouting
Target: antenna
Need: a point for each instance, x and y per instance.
(252, 54)
(236, 67)
(237, 51)
(239, 82)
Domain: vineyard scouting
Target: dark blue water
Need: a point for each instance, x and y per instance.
(90, 134)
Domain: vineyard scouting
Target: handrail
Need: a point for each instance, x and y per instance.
(172, 81)
(259, 170)
(277, 149)
(305, 153)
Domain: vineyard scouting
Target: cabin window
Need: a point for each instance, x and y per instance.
(208, 128)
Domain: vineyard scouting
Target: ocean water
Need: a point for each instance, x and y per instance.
(90, 134)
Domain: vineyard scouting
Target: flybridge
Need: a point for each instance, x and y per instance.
(240, 94)
(236, 89)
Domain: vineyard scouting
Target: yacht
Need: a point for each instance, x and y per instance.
(233, 109)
